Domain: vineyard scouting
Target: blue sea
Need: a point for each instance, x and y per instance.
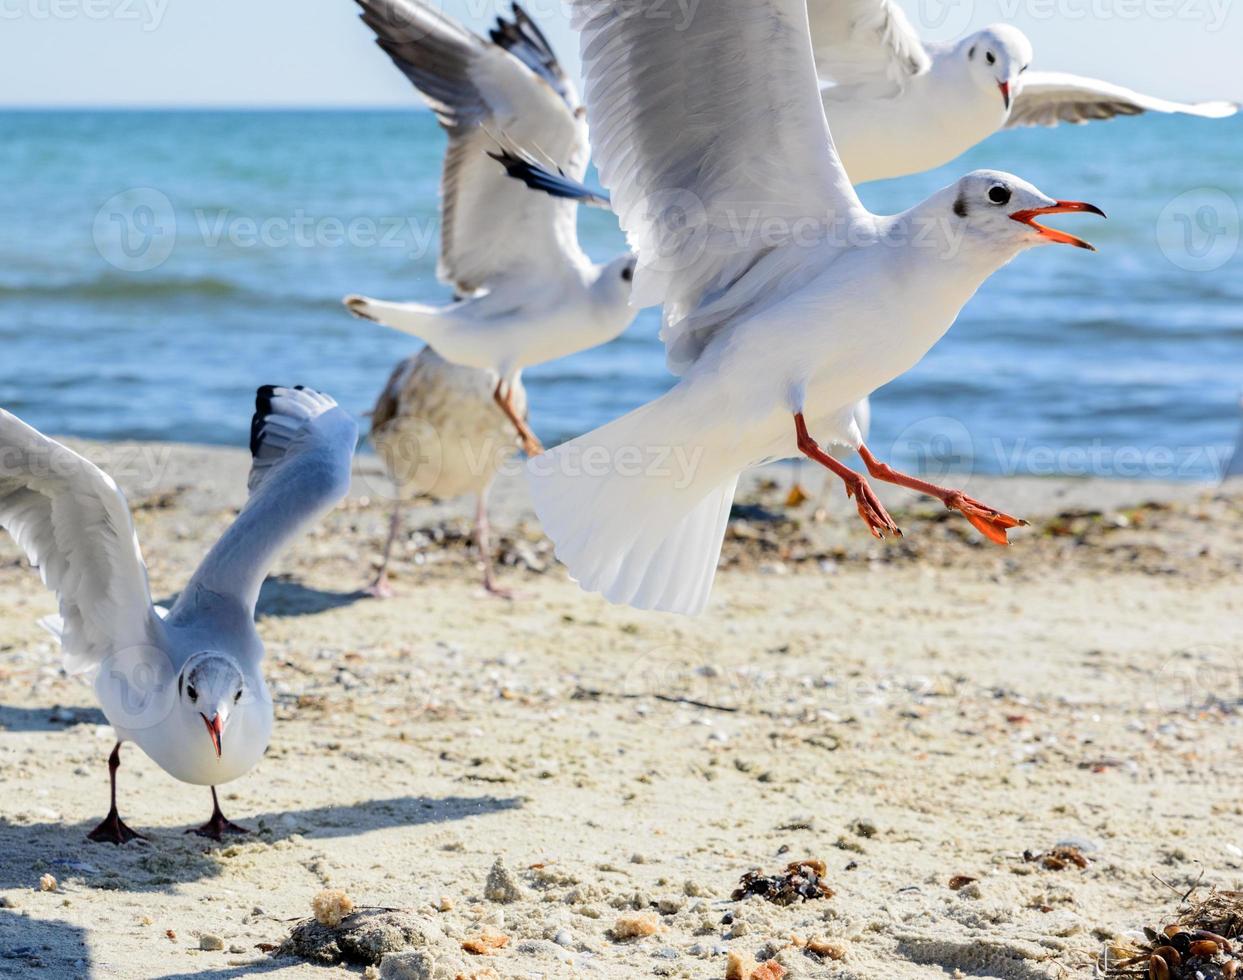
(156, 266)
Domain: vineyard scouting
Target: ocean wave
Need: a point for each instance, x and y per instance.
(126, 287)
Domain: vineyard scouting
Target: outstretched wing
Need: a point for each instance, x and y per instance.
(865, 45)
(301, 446)
(711, 138)
(1047, 98)
(512, 85)
(536, 176)
(73, 523)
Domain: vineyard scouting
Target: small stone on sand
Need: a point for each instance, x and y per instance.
(416, 965)
(47, 883)
(501, 885)
(742, 966)
(210, 943)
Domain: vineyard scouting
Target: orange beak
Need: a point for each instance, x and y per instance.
(1052, 234)
(1005, 92)
(215, 729)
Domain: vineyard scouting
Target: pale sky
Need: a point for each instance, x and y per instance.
(316, 53)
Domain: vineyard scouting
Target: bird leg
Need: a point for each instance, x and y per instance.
(504, 397)
(870, 508)
(993, 524)
(380, 589)
(483, 530)
(217, 826)
(113, 830)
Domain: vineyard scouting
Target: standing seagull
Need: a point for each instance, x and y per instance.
(187, 687)
(776, 331)
(897, 105)
(438, 433)
(528, 293)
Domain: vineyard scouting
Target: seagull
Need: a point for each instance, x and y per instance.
(526, 292)
(184, 685)
(784, 300)
(898, 105)
(439, 434)
(524, 167)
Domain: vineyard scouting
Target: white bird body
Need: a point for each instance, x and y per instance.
(897, 105)
(519, 324)
(940, 114)
(528, 292)
(186, 687)
(774, 332)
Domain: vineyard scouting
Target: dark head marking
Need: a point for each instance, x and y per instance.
(960, 206)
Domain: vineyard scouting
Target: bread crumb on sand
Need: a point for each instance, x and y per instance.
(635, 926)
(331, 906)
(742, 966)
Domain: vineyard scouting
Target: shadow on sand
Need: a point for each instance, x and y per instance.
(284, 596)
(54, 719)
(171, 856)
(43, 948)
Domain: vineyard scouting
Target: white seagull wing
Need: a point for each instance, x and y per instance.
(510, 86)
(301, 445)
(73, 523)
(1047, 98)
(869, 43)
(713, 143)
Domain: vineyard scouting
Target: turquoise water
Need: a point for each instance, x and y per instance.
(1128, 362)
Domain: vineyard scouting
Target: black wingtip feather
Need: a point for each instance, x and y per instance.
(263, 408)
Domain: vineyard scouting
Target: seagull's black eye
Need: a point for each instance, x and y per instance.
(1024, 68)
(627, 274)
(191, 693)
(999, 194)
(991, 58)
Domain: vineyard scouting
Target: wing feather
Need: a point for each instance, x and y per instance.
(302, 446)
(713, 144)
(1048, 98)
(74, 525)
(865, 43)
(490, 227)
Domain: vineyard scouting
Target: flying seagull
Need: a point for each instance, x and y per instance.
(186, 686)
(784, 300)
(525, 291)
(438, 434)
(898, 105)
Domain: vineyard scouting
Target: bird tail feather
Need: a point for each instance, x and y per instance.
(635, 513)
(418, 319)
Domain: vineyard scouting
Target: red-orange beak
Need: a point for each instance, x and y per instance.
(1005, 92)
(1052, 234)
(215, 729)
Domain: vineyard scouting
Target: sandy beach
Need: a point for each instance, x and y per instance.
(912, 714)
